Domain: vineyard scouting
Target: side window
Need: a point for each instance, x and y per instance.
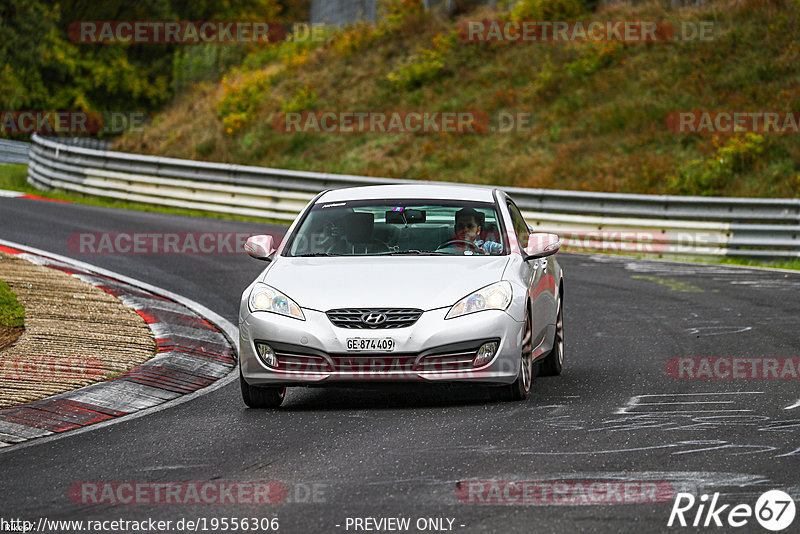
(520, 227)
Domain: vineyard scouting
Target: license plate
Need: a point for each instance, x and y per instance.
(357, 344)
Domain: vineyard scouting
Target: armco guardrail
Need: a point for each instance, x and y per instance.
(642, 224)
(13, 152)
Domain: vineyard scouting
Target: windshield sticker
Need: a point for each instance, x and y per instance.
(335, 205)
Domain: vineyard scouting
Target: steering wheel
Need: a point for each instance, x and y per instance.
(472, 246)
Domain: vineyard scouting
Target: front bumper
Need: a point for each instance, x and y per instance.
(313, 352)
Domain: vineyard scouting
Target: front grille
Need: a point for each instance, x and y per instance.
(375, 363)
(304, 360)
(395, 317)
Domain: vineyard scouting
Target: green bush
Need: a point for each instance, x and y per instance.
(240, 98)
(305, 99)
(397, 13)
(353, 39)
(425, 65)
(548, 9)
(594, 57)
(419, 68)
(712, 176)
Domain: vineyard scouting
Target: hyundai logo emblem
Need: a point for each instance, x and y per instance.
(373, 318)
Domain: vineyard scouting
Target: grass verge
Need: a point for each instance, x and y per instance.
(791, 265)
(12, 314)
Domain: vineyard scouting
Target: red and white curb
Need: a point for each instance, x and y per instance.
(196, 349)
(19, 194)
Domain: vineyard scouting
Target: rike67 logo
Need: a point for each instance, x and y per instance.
(774, 510)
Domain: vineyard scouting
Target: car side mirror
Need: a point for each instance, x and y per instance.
(541, 245)
(260, 247)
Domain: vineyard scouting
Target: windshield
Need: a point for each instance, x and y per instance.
(399, 227)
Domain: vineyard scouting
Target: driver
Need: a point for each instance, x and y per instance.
(468, 228)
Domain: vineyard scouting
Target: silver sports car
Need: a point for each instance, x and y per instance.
(427, 283)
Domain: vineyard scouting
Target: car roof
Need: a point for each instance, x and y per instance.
(421, 191)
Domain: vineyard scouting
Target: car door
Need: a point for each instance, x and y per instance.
(542, 282)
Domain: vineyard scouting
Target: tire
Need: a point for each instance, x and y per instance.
(261, 396)
(521, 388)
(553, 364)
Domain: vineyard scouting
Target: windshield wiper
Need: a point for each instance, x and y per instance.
(316, 255)
(414, 252)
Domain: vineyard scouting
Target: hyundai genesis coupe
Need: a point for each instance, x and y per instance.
(393, 283)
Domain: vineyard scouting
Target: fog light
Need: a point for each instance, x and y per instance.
(485, 354)
(266, 354)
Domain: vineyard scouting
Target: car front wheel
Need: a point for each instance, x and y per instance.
(553, 364)
(261, 396)
(521, 388)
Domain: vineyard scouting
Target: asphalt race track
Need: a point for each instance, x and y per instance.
(614, 416)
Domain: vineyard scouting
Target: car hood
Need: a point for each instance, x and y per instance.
(424, 282)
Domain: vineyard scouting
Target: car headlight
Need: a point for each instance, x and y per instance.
(266, 298)
(493, 297)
